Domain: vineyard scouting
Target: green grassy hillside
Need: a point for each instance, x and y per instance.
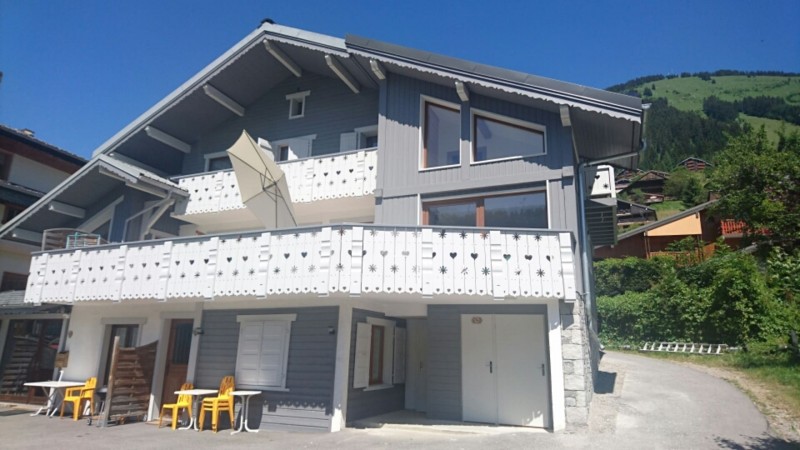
(688, 93)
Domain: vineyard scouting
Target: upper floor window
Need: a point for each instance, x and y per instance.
(495, 138)
(520, 210)
(441, 135)
(297, 104)
(218, 163)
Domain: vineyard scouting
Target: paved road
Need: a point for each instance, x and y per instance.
(642, 404)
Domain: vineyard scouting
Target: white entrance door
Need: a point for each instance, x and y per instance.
(504, 371)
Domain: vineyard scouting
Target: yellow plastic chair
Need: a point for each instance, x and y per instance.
(223, 401)
(184, 402)
(77, 396)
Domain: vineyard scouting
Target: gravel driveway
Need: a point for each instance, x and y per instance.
(642, 403)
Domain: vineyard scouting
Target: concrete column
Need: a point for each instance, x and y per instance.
(341, 378)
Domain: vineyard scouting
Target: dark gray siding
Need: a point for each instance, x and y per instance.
(399, 177)
(331, 109)
(312, 357)
(402, 143)
(444, 353)
(360, 403)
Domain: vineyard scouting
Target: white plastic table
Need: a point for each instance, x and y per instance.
(198, 393)
(246, 396)
(51, 388)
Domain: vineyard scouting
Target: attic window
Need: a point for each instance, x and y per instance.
(297, 104)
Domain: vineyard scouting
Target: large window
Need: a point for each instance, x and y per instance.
(441, 135)
(380, 354)
(523, 210)
(498, 139)
(263, 353)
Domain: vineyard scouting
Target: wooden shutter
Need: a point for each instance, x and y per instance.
(347, 142)
(249, 354)
(272, 360)
(361, 365)
(399, 375)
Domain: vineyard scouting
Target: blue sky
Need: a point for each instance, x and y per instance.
(76, 72)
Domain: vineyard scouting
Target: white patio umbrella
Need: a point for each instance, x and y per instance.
(262, 184)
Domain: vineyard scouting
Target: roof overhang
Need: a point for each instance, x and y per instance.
(81, 192)
(605, 124)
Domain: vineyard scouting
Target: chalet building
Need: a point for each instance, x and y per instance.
(650, 183)
(29, 334)
(350, 227)
(654, 238)
(693, 164)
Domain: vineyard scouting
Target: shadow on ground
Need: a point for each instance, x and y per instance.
(605, 382)
(759, 443)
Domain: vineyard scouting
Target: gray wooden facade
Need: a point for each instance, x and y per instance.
(309, 380)
(362, 403)
(331, 109)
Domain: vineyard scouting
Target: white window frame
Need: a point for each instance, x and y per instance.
(287, 319)
(535, 127)
(209, 156)
(276, 146)
(423, 101)
(298, 97)
(393, 345)
(362, 133)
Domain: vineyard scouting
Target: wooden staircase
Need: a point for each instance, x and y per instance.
(18, 366)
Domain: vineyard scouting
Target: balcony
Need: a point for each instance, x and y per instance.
(408, 262)
(320, 188)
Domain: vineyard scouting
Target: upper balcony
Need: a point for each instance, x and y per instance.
(334, 187)
(407, 262)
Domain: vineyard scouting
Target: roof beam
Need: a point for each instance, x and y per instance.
(342, 73)
(167, 139)
(283, 58)
(377, 69)
(463, 91)
(27, 235)
(224, 100)
(67, 210)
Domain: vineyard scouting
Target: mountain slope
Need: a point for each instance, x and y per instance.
(678, 127)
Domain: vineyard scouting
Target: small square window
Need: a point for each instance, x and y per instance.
(297, 104)
(296, 107)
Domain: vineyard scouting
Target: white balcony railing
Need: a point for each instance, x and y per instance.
(352, 259)
(338, 175)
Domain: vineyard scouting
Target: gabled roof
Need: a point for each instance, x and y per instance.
(668, 220)
(99, 176)
(694, 158)
(606, 123)
(41, 146)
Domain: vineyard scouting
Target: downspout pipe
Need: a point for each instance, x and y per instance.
(166, 200)
(586, 254)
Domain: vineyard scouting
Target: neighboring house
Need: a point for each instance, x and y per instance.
(630, 214)
(693, 164)
(651, 185)
(427, 248)
(29, 334)
(653, 239)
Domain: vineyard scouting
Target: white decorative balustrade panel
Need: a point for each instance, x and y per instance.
(352, 259)
(351, 174)
(211, 192)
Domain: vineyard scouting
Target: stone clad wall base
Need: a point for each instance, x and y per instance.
(578, 368)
